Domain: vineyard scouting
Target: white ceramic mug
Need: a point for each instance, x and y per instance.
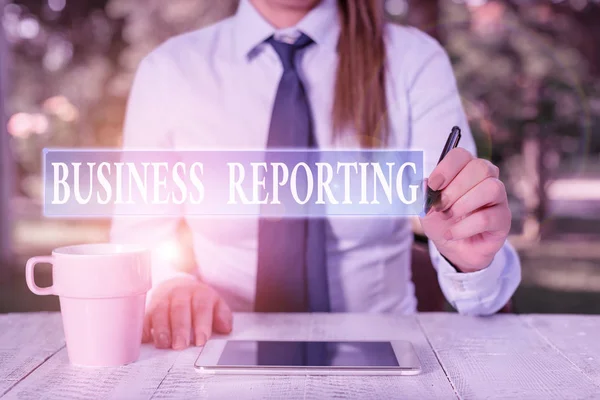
(102, 290)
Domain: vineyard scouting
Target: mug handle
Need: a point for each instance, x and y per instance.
(29, 277)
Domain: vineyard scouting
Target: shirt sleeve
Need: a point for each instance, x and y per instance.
(147, 127)
(483, 292)
(435, 108)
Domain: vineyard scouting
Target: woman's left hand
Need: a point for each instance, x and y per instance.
(471, 222)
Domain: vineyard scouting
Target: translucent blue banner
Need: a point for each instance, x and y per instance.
(278, 183)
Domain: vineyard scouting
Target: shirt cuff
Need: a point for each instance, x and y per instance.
(469, 291)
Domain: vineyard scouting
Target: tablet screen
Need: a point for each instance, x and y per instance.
(311, 354)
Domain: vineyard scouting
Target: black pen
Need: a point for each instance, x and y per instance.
(433, 196)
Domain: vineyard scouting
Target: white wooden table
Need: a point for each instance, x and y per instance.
(504, 357)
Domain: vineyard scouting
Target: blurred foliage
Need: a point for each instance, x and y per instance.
(522, 69)
(521, 76)
(148, 23)
(84, 52)
(60, 68)
(529, 88)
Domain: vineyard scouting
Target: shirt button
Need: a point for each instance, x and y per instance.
(288, 39)
(458, 285)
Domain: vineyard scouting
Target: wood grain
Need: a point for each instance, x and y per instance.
(26, 342)
(502, 357)
(57, 379)
(577, 337)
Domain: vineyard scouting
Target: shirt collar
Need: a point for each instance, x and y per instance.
(251, 29)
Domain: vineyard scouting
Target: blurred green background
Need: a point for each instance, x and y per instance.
(528, 71)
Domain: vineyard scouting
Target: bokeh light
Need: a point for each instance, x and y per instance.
(62, 108)
(20, 125)
(29, 28)
(396, 7)
(57, 5)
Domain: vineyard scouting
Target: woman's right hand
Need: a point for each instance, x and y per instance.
(183, 311)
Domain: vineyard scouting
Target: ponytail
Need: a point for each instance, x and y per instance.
(360, 95)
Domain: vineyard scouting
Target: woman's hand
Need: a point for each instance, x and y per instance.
(184, 311)
(472, 220)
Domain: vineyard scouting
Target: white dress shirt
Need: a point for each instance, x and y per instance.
(215, 88)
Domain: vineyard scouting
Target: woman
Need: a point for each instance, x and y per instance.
(349, 80)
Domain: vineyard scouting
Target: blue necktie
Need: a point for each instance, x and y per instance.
(292, 268)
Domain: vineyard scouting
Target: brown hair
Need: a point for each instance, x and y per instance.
(360, 96)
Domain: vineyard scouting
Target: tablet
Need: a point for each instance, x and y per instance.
(222, 356)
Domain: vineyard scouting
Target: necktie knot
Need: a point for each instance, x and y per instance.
(287, 51)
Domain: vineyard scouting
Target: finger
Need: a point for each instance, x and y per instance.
(475, 172)
(223, 317)
(181, 319)
(490, 220)
(203, 302)
(161, 329)
(146, 336)
(485, 194)
(448, 168)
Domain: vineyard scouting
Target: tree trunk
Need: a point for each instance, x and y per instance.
(584, 36)
(6, 165)
(535, 199)
(587, 36)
